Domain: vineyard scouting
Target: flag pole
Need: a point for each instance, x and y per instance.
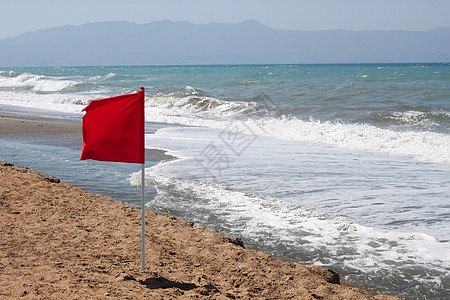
(143, 216)
(143, 183)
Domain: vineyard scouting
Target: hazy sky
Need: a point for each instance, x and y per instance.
(19, 16)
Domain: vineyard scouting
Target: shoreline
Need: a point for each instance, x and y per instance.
(16, 126)
(66, 242)
(50, 250)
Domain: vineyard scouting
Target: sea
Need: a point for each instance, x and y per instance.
(345, 166)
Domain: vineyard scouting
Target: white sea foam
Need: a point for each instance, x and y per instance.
(103, 77)
(313, 174)
(65, 103)
(49, 85)
(24, 79)
(202, 106)
(324, 238)
(110, 75)
(422, 146)
(8, 72)
(193, 90)
(38, 82)
(409, 116)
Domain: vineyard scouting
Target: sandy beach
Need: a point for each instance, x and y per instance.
(59, 241)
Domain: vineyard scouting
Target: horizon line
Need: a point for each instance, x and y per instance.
(231, 65)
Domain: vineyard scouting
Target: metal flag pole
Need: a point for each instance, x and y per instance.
(143, 182)
(143, 216)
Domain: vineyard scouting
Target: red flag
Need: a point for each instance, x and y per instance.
(113, 129)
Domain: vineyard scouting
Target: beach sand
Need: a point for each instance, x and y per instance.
(59, 241)
(23, 126)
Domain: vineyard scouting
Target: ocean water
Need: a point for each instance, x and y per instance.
(346, 166)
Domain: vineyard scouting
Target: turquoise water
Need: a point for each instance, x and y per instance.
(342, 165)
(377, 94)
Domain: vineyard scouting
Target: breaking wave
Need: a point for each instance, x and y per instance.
(39, 83)
(256, 119)
(432, 120)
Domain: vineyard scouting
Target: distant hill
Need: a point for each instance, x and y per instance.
(249, 42)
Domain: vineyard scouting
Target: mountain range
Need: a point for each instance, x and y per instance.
(249, 42)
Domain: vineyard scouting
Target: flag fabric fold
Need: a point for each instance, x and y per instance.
(113, 129)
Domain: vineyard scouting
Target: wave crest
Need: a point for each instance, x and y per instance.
(39, 83)
(410, 117)
(204, 106)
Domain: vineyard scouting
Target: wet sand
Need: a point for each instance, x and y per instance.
(23, 126)
(59, 241)
(54, 131)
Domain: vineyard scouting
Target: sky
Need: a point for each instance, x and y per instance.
(19, 16)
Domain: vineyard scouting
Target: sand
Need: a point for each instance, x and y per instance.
(58, 241)
(19, 126)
